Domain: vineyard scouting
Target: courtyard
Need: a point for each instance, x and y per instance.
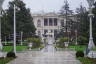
(47, 32)
(48, 55)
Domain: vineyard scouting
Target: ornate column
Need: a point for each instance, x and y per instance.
(53, 27)
(48, 27)
(91, 43)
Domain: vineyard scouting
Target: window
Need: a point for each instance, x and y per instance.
(62, 23)
(38, 23)
(45, 22)
(55, 21)
(51, 31)
(55, 32)
(50, 22)
(39, 33)
(45, 31)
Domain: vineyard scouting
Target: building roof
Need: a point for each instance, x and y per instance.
(50, 14)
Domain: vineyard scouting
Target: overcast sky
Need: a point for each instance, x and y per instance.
(48, 5)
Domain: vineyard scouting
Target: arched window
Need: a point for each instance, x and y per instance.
(38, 23)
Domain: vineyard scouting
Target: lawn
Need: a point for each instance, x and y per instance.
(7, 42)
(19, 48)
(78, 47)
(5, 60)
(87, 60)
(10, 48)
(75, 47)
(94, 49)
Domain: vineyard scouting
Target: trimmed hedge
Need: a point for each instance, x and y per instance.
(11, 55)
(79, 54)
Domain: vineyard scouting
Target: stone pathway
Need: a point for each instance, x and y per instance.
(47, 55)
(37, 57)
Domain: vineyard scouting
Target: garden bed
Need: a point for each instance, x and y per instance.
(85, 60)
(5, 60)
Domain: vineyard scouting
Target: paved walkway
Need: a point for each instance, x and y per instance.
(48, 55)
(37, 57)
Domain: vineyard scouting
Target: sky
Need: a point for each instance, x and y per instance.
(48, 5)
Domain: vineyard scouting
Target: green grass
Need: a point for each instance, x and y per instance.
(5, 60)
(10, 48)
(19, 48)
(37, 48)
(94, 49)
(75, 47)
(84, 60)
(8, 42)
(78, 47)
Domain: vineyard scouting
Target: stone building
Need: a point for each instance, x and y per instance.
(49, 23)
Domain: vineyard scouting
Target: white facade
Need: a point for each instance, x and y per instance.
(48, 23)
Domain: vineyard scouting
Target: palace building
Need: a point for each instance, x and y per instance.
(49, 23)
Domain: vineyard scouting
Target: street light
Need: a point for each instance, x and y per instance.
(1, 2)
(21, 38)
(76, 37)
(14, 29)
(91, 43)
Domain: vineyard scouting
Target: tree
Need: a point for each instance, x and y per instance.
(65, 9)
(83, 25)
(60, 34)
(94, 24)
(23, 19)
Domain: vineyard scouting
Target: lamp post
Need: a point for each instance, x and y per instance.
(1, 2)
(76, 36)
(21, 38)
(0, 31)
(14, 29)
(91, 43)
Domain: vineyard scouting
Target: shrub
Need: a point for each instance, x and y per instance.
(79, 54)
(11, 54)
(82, 40)
(35, 42)
(61, 41)
(64, 39)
